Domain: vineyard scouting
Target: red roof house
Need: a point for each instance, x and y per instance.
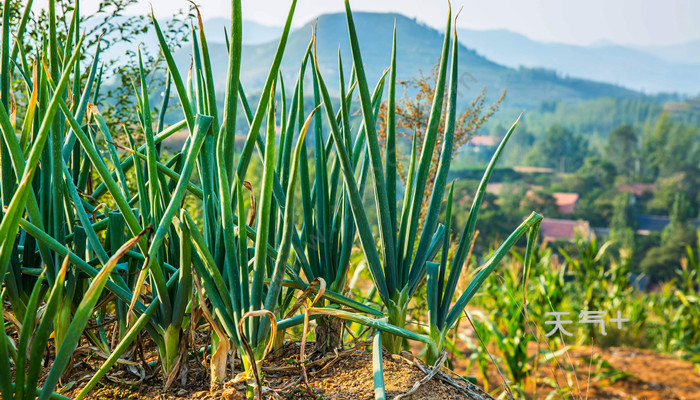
(563, 229)
(566, 202)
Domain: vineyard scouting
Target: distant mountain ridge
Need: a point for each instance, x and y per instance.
(253, 32)
(687, 53)
(647, 69)
(418, 49)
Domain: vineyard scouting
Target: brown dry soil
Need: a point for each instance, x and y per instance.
(348, 375)
(653, 376)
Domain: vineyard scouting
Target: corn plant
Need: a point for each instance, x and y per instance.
(677, 316)
(508, 323)
(690, 271)
(690, 297)
(588, 268)
(549, 279)
(479, 358)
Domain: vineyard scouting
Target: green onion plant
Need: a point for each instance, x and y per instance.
(397, 264)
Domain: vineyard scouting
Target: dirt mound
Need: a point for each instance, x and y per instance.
(348, 376)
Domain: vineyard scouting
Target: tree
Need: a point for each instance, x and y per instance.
(622, 223)
(596, 172)
(541, 201)
(518, 145)
(594, 182)
(413, 113)
(669, 148)
(653, 140)
(621, 149)
(111, 25)
(560, 149)
(679, 221)
(660, 262)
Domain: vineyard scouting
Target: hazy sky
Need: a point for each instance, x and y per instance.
(644, 22)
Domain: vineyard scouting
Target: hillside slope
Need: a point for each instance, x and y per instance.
(418, 50)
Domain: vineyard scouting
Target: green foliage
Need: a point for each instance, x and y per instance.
(194, 237)
(676, 317)
(595, 118)
(142, 187)
(622, 149)
(508, 323)
(622, 225)
(669, 147)
(605, 371)
(38, 330)
(403, 264)
(653, 167)
(659, 262)
(563, 150)
(588, 268)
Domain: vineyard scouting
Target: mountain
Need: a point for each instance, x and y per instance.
(253, 32)
(686, 53)
(636, 68)
(418, 50)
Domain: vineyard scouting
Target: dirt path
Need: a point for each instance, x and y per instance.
(653, 376)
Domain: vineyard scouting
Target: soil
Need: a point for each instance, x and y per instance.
(633, 374)
(351, 378)
(636, 374)
(348, 375)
